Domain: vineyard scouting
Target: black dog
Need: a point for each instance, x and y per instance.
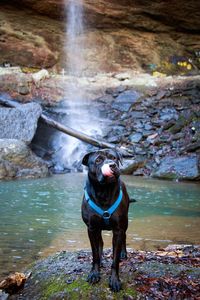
(105, 207)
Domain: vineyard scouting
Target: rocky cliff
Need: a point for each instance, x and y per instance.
(120, 35)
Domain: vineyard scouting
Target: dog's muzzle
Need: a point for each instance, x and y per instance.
(110, 169)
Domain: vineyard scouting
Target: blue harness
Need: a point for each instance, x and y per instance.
(105, 214)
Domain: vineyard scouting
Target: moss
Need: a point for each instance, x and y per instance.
(52, 287)
(80, 289)
(29, 70)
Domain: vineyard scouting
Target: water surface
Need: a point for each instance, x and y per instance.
(39, 217)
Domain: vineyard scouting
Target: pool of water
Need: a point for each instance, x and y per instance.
(40, 217)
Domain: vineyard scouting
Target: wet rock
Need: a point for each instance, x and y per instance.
(169, 124)
(180, 123)
(17, 161)
(40, 75)
(125, 100)
(137, 114)
(131, 165)
(122, 76)
(63, 276)
(151, 138)
(20, 123)
(192, 147)
(23, 88)
(136, 137)
(181, 168)
(148, 126)
(167, 114)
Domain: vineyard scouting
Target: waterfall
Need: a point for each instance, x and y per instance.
(78, 109)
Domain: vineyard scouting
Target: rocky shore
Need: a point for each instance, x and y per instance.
(170, 273)
(157, 118)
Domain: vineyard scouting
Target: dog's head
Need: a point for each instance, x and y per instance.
(103, 165)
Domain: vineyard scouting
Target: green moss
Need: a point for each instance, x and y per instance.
(80, 289)
(52, 287)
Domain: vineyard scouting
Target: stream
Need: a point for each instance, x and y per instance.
(42, 216)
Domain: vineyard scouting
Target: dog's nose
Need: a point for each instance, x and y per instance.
(113, 166)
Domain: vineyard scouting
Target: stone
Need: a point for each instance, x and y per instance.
(18, 161)
(191, 147)
(136, 137)
(125, 100)
(131, 165)
(151, 138)
(137, 114)
(166, 114)
(179, 125)
(148, 126)
(122, 76)
(40, 75)
(19, 123)
(169, 124)
(23, 89)
(180, 168)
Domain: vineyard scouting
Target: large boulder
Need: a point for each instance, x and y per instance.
(125, 100)
(17, 161)
(181, 168)
(19, 123)
(131, 165)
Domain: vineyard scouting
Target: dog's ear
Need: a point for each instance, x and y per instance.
(86, 158)
(118, 155)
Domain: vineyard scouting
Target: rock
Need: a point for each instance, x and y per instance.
(180, 123)
(148, 126)
(124, 31)
(181, 168)
(192, 147)
(10, 70)
(17, 160)
(167, 114)
(3, 295)
(136, 137)
(137, 114)
(151, 138)
(125, 100)
(19, 123)
(169, 124)
(41, 75)
(131, 165)
(122, 76)
(23, 89)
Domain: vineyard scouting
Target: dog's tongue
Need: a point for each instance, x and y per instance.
(106, 170)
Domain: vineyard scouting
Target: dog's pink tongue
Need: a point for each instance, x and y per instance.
(106, 170)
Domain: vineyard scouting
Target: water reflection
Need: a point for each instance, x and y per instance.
(39, 217)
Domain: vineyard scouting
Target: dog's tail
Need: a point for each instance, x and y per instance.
(132, 200)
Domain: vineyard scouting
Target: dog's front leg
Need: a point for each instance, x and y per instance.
(114, 281)
(95, 239)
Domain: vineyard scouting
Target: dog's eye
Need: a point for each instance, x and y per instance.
(113, 157)
(99, 160)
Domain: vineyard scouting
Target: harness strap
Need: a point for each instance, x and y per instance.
(106, 214)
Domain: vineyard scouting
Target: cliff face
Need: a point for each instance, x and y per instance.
(119, 35)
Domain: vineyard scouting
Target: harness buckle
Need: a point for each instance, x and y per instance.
(106, 215)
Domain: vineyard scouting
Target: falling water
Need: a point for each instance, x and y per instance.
(78, 110)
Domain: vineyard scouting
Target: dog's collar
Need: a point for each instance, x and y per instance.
(105, 214)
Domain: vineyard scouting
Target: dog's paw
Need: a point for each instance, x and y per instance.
(115, 284)
(93, 277)
(123, 255)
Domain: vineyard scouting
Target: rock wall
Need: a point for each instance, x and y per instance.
(119, 35)
(17, 129)
(161, 127)
(18, 161)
